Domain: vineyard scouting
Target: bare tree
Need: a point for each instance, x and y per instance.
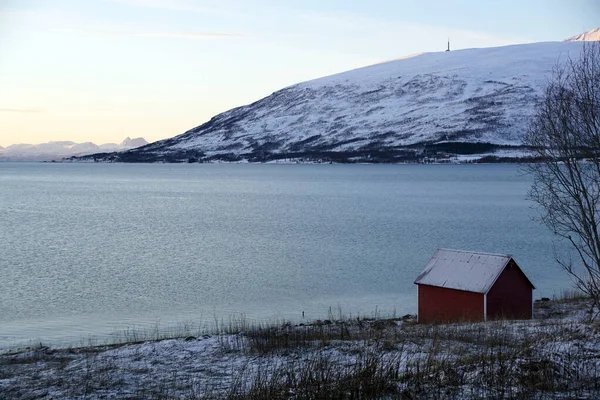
(564, 136)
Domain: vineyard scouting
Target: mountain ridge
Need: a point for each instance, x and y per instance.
(471, 101)
(56, 150)
(589, 36)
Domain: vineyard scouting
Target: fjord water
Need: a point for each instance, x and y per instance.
(90, 249)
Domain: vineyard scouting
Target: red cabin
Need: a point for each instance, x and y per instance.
(460, 286)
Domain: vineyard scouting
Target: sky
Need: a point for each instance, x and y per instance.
(101, 70)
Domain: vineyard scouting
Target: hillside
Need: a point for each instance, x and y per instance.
(474, 101)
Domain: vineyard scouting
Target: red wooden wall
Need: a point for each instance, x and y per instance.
(511, 296)
(438, 304)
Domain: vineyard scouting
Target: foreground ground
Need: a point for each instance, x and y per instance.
(557, 355)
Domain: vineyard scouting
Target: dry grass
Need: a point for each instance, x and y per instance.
(333, 359)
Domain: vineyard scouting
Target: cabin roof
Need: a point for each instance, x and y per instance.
(464, 270)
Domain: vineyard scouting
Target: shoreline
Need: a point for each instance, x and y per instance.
(390, 357)
(487, 161)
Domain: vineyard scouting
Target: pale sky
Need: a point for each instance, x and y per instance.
(101, 70)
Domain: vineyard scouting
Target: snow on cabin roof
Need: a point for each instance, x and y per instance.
(463, 270)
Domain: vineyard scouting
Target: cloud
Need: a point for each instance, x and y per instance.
(174, 5)
(20, 110)
(174, 35)
(164, 4)
(188, 35)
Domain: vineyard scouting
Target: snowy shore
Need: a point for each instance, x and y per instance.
(556, 355)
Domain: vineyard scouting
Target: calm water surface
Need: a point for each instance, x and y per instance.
(87, 250)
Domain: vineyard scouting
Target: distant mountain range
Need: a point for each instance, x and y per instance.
(474, 102)
(64, 149)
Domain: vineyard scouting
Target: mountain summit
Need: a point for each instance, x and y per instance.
(589, 36)
(462, 101)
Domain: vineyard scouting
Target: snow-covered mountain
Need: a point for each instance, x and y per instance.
(62, 149)
(590, 36)
(130, 143)
(464, 101)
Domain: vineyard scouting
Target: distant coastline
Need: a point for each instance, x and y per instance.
(435, 153)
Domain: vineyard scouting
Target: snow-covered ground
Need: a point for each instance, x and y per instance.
(556, 355)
